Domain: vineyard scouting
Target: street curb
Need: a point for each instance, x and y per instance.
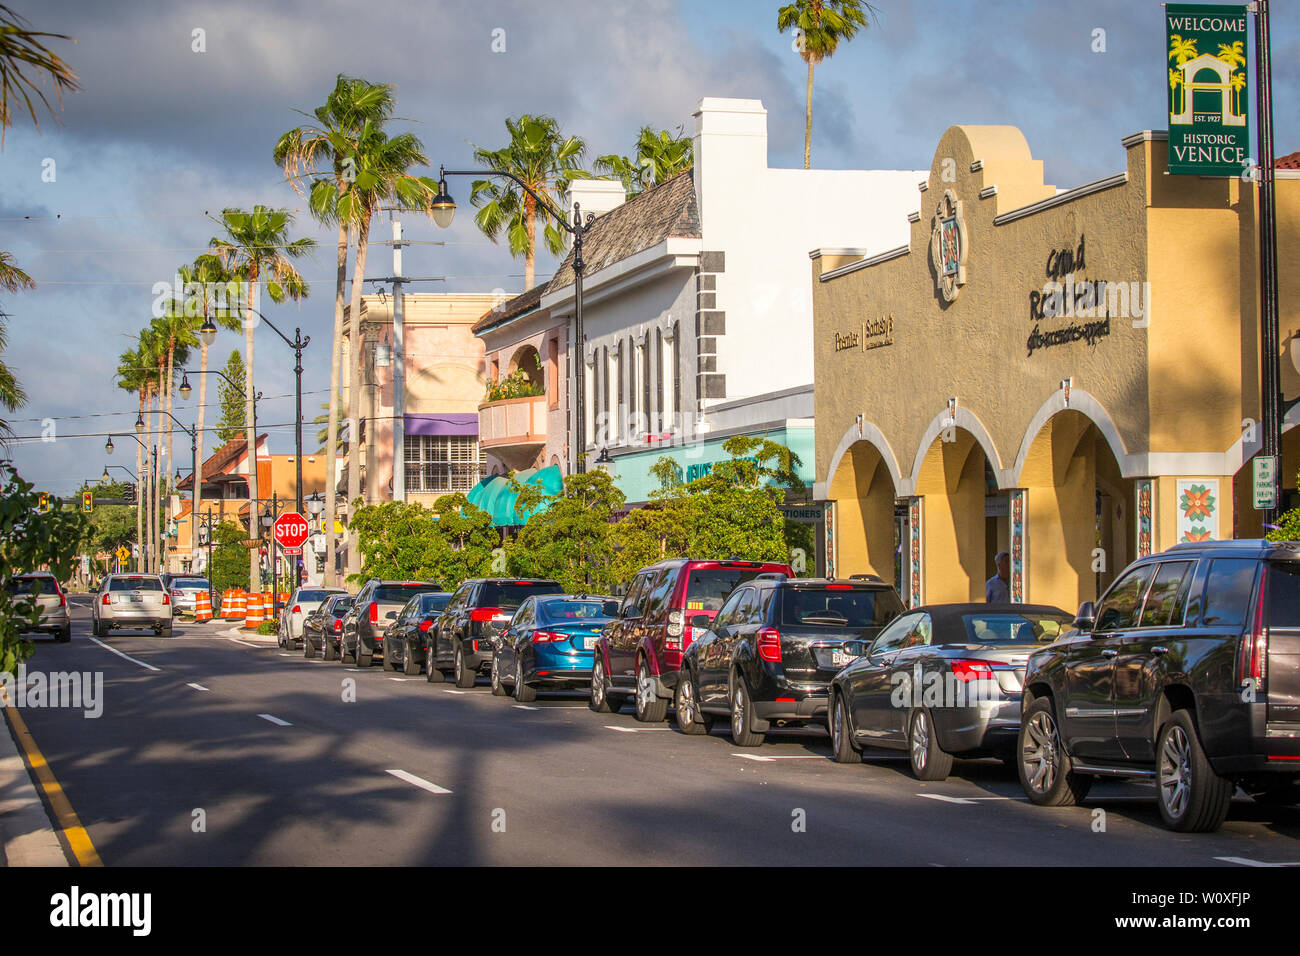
(251, 637)
(27, 835)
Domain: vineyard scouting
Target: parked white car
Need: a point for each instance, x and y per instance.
(301, 603)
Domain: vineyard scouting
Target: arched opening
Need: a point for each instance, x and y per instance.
(865, 536)
(952, 484)
(528, 362)
(1079, 527)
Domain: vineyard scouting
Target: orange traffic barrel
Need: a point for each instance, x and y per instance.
(240, 604)
(202, 607)
(253, 619)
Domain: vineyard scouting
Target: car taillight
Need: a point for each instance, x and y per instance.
(972, 670)
(1253, 653)
(674, 623)
(338, 625)
(769, 644)
(547, 637)
(177, 593)
(374, 613)
(425, 625)
(166, 599)
(839, 587)
(105, 600)
(297, 609)
(63, 599)
(484, 613)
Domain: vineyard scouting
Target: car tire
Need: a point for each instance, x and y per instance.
(742, 731)
(463, 675)
(165, 632)
(344, 656)
(410, 668)
(650, 707)
(601, 700)
(1044, 768)
(686, 708)
(327, 649)
(64, 635)
(929, 760)
(308, 648)
(363, 659)
(841, 732)
(1192, 798)
(389, 666)
(431, 672)
(94, 628)
(498, 689)
(523, 693)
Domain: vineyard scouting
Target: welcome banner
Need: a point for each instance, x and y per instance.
(1208, 89)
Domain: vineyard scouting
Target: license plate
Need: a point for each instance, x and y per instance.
(840, 658)
(590, 642)
(137, 598)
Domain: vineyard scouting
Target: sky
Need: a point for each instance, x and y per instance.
(162, 136)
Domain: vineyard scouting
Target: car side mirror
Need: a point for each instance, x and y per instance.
(390, 615)
(631, 613)
(854, 648)
(1087, 616)
(701, 621)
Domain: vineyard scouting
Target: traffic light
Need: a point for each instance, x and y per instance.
(43, 503)
(87, 502)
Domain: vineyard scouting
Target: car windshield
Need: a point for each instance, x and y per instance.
(555, 612)
(855, 608)
(29, 585)
(434, 602)
(707, 588)
(200, 583)
(307, 595)
(340, 604)
(511, 594)
(134, 583)
(1029, 627)
(401, 593)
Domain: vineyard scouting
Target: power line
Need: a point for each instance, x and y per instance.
(41, 282)
(264, 398)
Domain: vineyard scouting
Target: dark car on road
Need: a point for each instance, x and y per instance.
(549, 644)
(640, 653)
(374, 609)
(1187, 674)
(942, 680)
(322, 629)
(404, 642)
(463, 639)
(767, 658)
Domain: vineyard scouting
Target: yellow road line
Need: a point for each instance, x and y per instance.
(76, 835)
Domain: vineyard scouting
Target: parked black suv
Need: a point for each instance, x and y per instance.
(1187, 673)
(370, 615)
(771, 652)
(479, 610)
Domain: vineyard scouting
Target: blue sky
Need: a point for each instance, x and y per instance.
(162, 137)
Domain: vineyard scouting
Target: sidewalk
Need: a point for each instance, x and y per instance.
(27, 837)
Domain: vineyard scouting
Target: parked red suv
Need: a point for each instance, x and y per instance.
(639, 654)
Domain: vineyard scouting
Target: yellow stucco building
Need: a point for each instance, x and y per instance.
(1068, 375)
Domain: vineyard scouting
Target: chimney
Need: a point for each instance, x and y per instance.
(595, 196)
(730, 147)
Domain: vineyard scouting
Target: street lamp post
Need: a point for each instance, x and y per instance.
(444, 208)
(186, 389)
(194, 455)
(268, 522)
(139, 501)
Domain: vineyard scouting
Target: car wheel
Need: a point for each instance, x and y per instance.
(841, 734)
(498, 689)
(686, 709)
(165, 631)
(1043, 765)
(363, 657)
(929, 760)
(741, 731)
(388, 658)
(523, 693)
(327, 650)
(94, 628)
(650, 707)
(464, 676)
(65, 635)
(308, 648)
(410, 667)
(431, 672)
(344, 656)
(601, 700)
(1191, 796)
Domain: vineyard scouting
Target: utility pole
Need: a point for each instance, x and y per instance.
(399, 367)
(1271, 374)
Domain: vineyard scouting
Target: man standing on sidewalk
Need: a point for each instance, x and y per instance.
(997, 589)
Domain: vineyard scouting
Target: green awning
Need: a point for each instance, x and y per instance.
(494, 496)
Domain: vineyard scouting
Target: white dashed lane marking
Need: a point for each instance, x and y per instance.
(196, 686)
(275, 720)
(114, 650)
(418, 781)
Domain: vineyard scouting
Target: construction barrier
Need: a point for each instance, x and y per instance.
(202, 607)
(268, 605)
(253, 617)
(232, 605)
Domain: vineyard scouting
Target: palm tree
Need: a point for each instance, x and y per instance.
(149, 347)
(325, 153)
(12, 396)
(1234, 55)
(1180, 50)
(382, 166)
(547, 161)
(659, 156)
(323, 433)
(132, 376)
(1238, 83)
(822, 25)
(21, 48)
(1175, 84)
(256, 248)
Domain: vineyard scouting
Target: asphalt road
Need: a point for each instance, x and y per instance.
(285, 771)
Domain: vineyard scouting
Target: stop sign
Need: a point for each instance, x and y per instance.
(290, 531)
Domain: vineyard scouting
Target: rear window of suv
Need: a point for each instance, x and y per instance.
(1284, 595)
(508, 595)
(46, 584)
(1227, 592)
(707, 588)
(398, 593)
(856, 608)
(134, 584)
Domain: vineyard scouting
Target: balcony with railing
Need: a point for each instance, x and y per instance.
(513, 423)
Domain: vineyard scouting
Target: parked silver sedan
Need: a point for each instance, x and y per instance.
(940, 681)
(138, 601)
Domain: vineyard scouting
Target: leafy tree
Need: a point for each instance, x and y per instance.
(820, 25)
(109, 527)
(447, 543)
(229, 557)
(659, 156)
(546, 160)
(12, 396)
(30, 541)
(571, 536)
(233, 421)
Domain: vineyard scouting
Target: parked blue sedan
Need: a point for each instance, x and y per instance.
(549, 643)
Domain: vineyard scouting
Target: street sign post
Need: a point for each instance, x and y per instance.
(1264, 482)
(290, 531)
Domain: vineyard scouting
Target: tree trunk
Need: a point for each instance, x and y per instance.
(168, 479)
(196, 493)
(153, 488)
(250, 320)
(530, 259)
(332, 428)
(355, 365)
(139, 501)
(160, 474)
(807, 127)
